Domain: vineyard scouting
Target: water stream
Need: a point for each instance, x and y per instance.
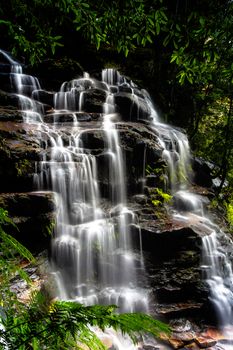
(94, 259)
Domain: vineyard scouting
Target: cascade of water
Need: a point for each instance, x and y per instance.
(24, 85)
(112, 77)
(219, 276)
(94, 260)
(92, 251)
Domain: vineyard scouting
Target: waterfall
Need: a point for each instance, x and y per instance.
(94, 257)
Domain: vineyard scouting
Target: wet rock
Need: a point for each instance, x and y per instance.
(173, 252)
(8, 99)
(10, 114)
(192, 346)
(28, 204)
(18, 153)
(205, 342)
(93, 139)
(175, 310)
(45, 97)
(93, 100)
(189, 201)
(140, 198)
(202, 173)
(5, 67)
(66, 117)
(168, 240)
(69, 117)
(131, 107)
(176, 343)
(5, 81)
(125, 88)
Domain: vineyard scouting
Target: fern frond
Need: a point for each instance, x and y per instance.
(5, 219)
(13, 244)
(62, 323)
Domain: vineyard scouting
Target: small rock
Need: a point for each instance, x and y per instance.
(205, 342)
(192, 346)
(181, 325)
(186, 337)
(140, 198)
(176, 343)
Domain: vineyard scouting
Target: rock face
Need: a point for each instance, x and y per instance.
(33, 213)
(19, 151)
(172, 247)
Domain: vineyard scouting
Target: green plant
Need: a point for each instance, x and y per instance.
(156, 202)
(54, 325)
(11, 255)
(229, 209)
(22, 167)
(159, 197)
(165, 196)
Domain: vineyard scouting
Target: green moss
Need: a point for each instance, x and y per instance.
(166, 197)
(156, 202)
(23, 167)
(49, 228)
(229, 208)
(159, 198)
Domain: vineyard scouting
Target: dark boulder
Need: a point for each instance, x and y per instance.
(93, 100)
(45, 97)
(202, 173)
(66, 117)
(19, 151)
(9, 113)
(34, 216)
(21, 102)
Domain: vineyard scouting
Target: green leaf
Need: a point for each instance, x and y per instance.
(149, 39)
(157, 25)
(85, 5)
(173, 58)
(202, 21)
(166, 40)
(18, 247)
(151, 21)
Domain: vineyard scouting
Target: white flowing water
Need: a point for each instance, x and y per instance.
(94, 260)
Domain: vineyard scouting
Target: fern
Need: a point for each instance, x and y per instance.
(9, 244)
(11, 254)
(61, 325)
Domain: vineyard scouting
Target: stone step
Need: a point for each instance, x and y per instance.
(69, 117)
(175, 310)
